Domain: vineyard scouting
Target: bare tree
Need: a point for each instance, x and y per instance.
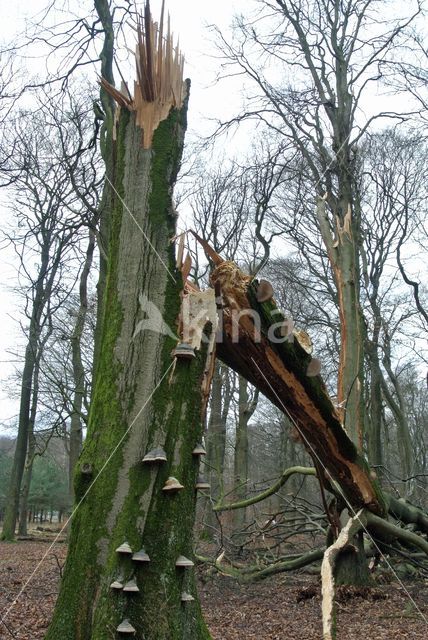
(49, 214)
(335, 51)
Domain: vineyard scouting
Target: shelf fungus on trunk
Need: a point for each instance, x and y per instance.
(184, 351)
(124, 548)
(131, 587)
(141, 556)
(155, 456)
(117, 585)
(199, 450)
(314, 368)
(202, 483)
(182, 561)
(172, 485)
(126, 627)
(264, 291)
(186, 597)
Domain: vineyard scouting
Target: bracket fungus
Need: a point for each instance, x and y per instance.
(131, 587)
(172, 485)
(199, 450)
(124, 548)
(86, 469)
(155, 456)
(126, 627)
(141, 556)
(264, 291)
(182, 561)
(202, 483)
(314, 368)
(186, 597)
(116, 584)
(184, 351)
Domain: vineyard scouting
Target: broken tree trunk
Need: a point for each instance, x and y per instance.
(147, 401)
(285, 372)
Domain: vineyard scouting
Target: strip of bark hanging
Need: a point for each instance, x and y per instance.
(251, 345)
(352, 527)
(159, 66)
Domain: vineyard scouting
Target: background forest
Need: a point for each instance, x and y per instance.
(313, 176)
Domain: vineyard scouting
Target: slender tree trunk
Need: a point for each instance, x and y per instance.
(375, 449)
(26, 484)
(42, 291)
(22, 527)
(343, 251)
(344, 258)
(76, 425)
(398, 408)
(12, 504)
(240, 467)
(216, 443)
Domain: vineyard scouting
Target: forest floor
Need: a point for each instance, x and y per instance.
(282, 607)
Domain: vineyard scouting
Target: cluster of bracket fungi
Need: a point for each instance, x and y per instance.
(172, 485)
(130, 587)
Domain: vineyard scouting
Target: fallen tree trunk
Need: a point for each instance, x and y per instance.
(254, 343)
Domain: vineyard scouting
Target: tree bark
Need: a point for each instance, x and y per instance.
(240, 472)
(139, 402)
(42, 292)
(26, 484)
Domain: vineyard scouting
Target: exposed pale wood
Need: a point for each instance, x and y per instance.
(180, 251)
(345, 538)
(198, 310)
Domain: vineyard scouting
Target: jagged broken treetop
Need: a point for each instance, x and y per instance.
(159, 67)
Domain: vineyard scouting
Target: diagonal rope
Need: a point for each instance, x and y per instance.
(134, 219)
(3, 618)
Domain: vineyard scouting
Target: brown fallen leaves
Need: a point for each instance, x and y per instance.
(283, 607)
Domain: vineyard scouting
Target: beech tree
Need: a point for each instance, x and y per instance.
(136, 478)
(145, 398)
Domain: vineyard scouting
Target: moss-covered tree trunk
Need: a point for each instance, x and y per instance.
(140, 401)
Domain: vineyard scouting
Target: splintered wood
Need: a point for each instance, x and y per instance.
(159, 67)
(353, 526)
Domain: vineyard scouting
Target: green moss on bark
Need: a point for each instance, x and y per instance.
(144, 516)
